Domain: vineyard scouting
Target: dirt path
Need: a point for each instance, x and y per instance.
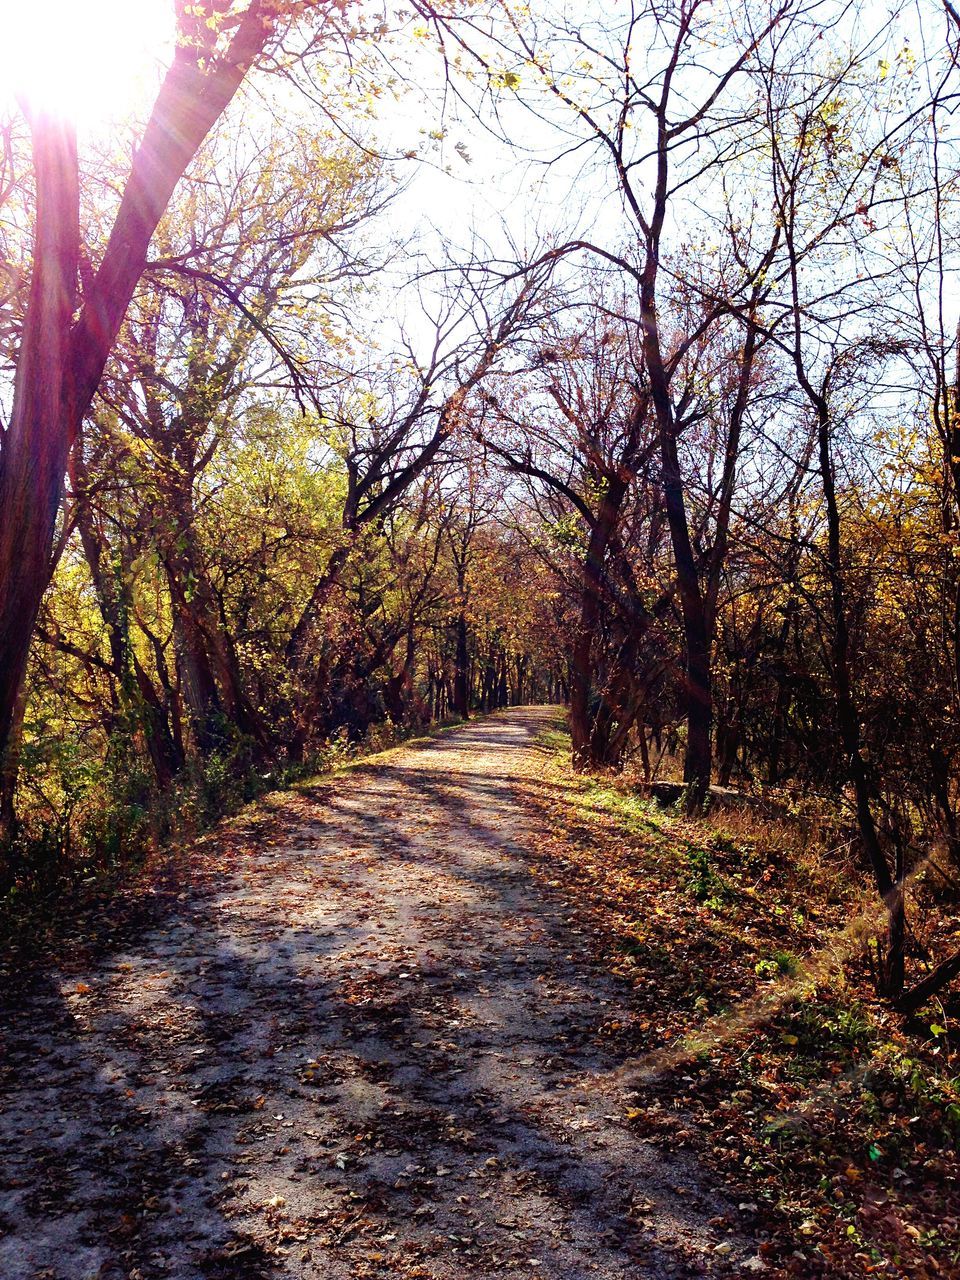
(374, 1050)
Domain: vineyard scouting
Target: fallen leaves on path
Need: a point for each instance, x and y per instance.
(348, 1034)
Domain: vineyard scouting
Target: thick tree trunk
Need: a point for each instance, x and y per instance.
(34, 456)
(696, 635)
(59, 363)
(698, 693)
(614, 489)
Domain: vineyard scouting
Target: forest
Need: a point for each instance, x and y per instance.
(368, 370)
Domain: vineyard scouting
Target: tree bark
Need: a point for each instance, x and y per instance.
(698, 693)
(697, 684)
(59, 364)
(613, 492)
(212, 677)
(460, 703)
(35, 447)
(848, 721)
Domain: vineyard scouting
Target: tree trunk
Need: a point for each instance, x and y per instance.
(697, 682)
(697, 687)
(197, 681)
(165, 757)
(848, 723)
(613, 492)
(59, 363)
(460, 701)
(34, 455)
(212, 677)
(112, 599)
(9, 771)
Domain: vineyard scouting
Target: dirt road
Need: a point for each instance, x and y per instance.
(372, 1048)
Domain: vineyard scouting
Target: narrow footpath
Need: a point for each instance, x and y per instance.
(370, 1047)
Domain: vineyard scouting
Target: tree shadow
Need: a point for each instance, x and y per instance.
(295, 1076)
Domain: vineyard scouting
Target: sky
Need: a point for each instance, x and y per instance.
(94, 60)
(99, 61)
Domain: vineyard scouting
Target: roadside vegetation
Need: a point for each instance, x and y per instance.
(755, 1036)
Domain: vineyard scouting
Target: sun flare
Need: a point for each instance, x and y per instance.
(89, 61)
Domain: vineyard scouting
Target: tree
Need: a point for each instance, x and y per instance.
(63, 346)
(251, 249)
(576, 422)
(667, 130)
(387, 441)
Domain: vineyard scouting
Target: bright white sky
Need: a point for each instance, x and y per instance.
(92, 60)
(100, 61)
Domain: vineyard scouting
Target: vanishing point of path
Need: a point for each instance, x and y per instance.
(370, 1047)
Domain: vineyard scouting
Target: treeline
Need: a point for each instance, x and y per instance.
(268, 544)
(690, 461)
(271, 541)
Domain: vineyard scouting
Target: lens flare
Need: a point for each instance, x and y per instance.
(90, 61)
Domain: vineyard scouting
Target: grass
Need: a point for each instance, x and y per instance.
(743, 940)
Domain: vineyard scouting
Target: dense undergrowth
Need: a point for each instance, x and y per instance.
(755, 1037)
(120, 826)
